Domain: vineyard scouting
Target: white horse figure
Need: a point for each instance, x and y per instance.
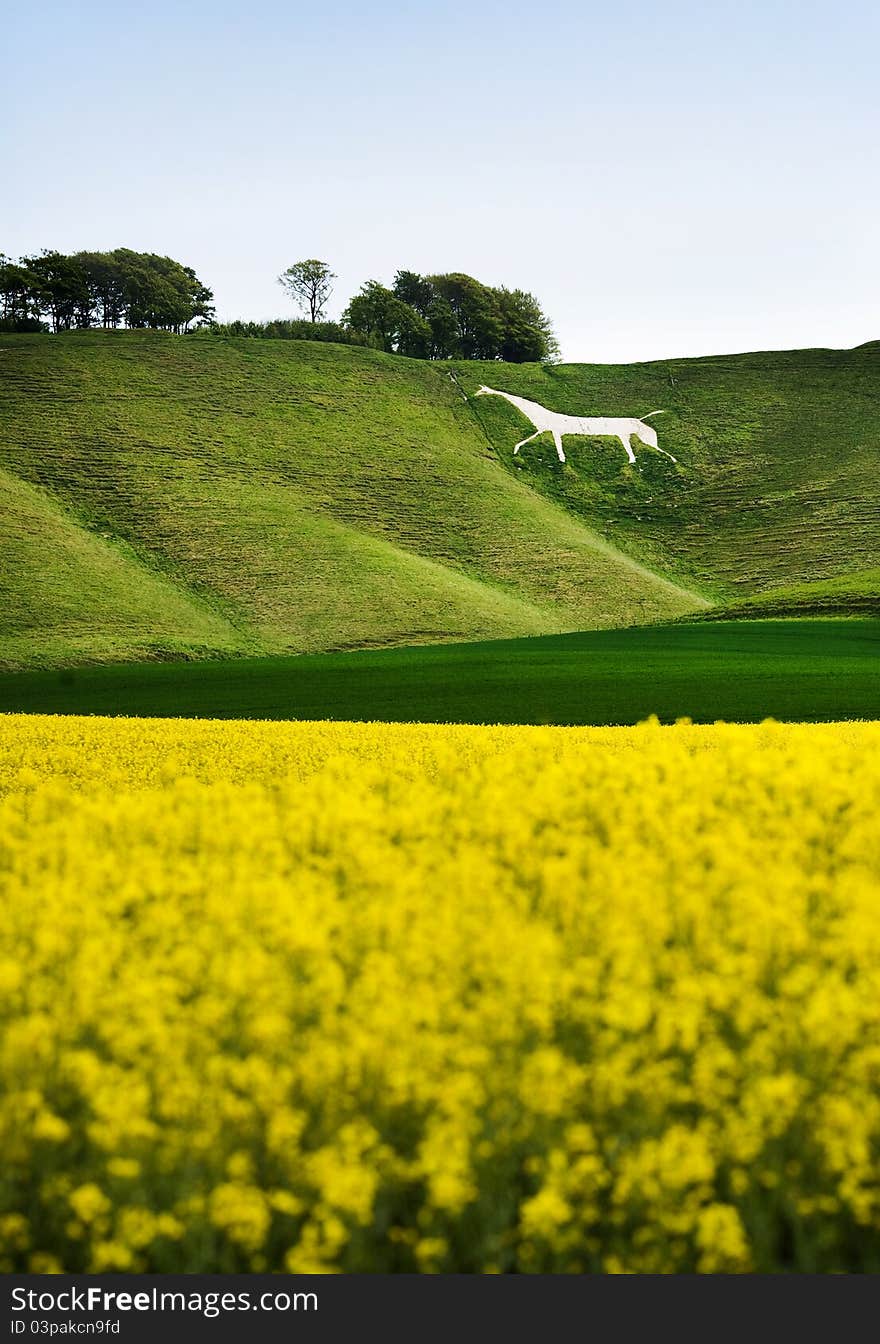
(619, 428)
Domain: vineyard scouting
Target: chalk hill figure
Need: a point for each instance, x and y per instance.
(624, 428)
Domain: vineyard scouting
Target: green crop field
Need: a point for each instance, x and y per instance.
(735, 670)
(212, 498)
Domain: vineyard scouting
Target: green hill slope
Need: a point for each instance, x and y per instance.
(175, 495)
(776, 481)
(62, 588)
(168, 496)
(846, 595)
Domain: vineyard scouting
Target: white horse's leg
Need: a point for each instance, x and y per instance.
(627, 447)
(557, 439)
(522, 443)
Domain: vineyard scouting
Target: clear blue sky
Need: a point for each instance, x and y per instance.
(678, 178)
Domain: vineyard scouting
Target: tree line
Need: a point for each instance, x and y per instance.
(451, 316)
(56, 292)
(448, 316)
(286, 329)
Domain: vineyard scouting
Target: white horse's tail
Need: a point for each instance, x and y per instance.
(650, 413)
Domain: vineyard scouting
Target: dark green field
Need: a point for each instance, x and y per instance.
(738, 670)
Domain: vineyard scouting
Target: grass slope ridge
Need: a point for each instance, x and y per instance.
(269, 497)
(776, 480)
(847, 595)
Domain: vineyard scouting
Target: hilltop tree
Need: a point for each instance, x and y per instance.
(419, 292)
(309, 284)
(201, 298)
(393, 325)
(479, 326)
(528, 334)
(106, 288)
(59, 288)
(415, 290)
(19, 304)
(470, 320)
(159, 292)
(134, 289)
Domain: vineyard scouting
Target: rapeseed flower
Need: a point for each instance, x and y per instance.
(338, 997)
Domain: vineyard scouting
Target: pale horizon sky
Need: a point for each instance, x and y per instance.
(685, 179)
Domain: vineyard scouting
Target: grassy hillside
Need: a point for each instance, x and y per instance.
(63, 587)
(846, 595)
(177, 495)
(776, 481)
(169, 496)
(735, 670)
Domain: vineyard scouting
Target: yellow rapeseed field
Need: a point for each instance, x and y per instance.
(400, 997)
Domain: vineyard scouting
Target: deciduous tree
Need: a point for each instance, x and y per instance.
(310, 284)
(394, 326)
